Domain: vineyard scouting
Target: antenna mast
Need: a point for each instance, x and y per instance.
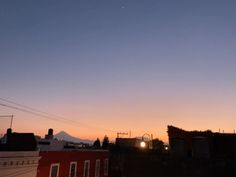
(8, 116)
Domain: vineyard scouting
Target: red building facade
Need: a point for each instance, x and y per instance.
(79, 163)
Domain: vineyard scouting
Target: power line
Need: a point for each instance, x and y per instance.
(7, 116)
(27, 111)
(38, 112)
(46, 115)
(33, 109)
(67, 121)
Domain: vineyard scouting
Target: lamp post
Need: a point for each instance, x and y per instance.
(143, 143)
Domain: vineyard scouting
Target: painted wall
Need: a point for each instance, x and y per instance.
(64, 158)
(19, 163)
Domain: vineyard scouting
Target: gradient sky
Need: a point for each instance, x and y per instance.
(123, 65)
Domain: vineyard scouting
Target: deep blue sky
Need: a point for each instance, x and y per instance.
(162, 62)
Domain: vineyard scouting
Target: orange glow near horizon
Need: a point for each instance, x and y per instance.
(138, 68)
(137, 117)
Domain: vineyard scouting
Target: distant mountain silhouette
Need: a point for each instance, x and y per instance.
(62, 135)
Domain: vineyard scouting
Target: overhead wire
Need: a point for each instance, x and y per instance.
(37, 112)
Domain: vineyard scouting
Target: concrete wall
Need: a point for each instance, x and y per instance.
(53, 145)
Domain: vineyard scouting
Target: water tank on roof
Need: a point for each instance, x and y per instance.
(50, 131)
(50, 134)
(9, 131)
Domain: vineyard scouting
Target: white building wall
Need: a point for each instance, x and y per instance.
(54, 145)
(19, 163)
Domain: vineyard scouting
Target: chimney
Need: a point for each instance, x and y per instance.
(50, 134)
(6, 136)
(50, 131)
(9, 131)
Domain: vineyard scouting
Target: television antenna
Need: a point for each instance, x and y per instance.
(8, 116)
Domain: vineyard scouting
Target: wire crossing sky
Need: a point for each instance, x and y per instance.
(45, 115)
(127, 65)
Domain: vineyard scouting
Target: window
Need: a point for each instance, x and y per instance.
(105, 167)
(73, 167)
(86, 168)
(54, 170)
(97, 168)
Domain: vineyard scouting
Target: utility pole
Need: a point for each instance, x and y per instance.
(8, 116)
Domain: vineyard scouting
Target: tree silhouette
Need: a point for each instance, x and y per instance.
(105, 142)
(97, 144)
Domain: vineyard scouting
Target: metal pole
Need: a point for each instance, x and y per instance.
(8, 116)
(11, 121)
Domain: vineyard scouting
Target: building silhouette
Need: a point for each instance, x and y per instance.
(201, 144)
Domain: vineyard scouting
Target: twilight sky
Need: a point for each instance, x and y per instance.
(122, 65)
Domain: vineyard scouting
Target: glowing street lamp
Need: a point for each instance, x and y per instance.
(142, 144)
